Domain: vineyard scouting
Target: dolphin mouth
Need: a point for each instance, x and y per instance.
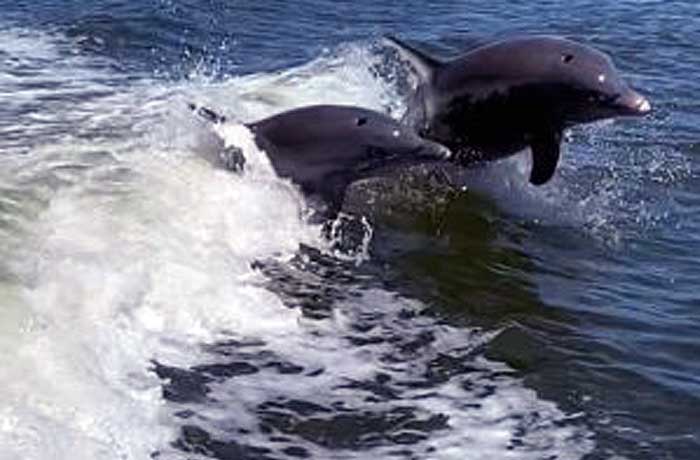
(633, 104)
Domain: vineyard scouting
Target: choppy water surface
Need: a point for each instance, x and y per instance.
(156, 306)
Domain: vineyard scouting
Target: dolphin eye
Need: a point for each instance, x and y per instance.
(566, 58)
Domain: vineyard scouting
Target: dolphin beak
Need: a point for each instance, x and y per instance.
(632, 103)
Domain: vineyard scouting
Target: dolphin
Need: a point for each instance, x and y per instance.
(502, 97)
(324, 148)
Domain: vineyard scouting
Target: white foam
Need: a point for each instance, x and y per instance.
(345, 78)
(124, 248)
(484, 417)
(605, 197)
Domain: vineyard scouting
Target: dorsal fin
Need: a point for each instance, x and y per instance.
(424, 65)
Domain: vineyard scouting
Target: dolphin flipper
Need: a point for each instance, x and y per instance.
(545, 150)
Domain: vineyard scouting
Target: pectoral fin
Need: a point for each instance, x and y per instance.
(545, 156)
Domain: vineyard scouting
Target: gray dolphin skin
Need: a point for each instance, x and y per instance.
(323, 148)
(523, 92)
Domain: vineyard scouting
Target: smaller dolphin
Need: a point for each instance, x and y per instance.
(324, 148)
(503, 97)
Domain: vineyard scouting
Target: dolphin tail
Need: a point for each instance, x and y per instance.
(206, 113)
(230, 157)
(425, 66)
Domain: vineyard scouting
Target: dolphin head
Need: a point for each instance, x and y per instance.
(596, 89)
(581, 83)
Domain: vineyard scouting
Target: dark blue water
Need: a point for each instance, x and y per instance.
(584, 290)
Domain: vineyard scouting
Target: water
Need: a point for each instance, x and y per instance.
(156, 306)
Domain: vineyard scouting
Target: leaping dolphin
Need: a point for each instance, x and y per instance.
(324, 148)
(490, 103)
(523, 92)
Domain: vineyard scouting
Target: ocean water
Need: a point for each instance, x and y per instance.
(154, 305)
